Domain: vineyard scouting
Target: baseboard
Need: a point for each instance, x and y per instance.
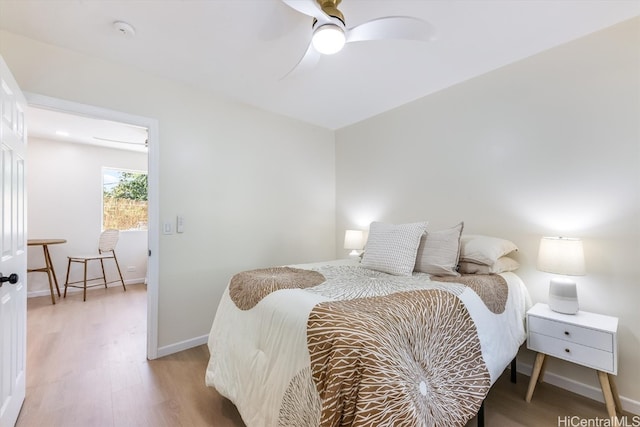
(33, 294)
(182, 345)
(595, 393)
(46, 292)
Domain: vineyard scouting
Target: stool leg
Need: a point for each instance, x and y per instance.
(104, 276)
(119, 272)
(84, 294)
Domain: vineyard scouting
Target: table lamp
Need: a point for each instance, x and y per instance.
(354, 240)
(565, 256)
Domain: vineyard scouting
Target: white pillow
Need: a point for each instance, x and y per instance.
(484, 249)
(439, 251)
(503, 264)
(391, 248)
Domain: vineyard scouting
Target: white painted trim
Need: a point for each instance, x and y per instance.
(153, 177)
(46, 292)
(182, 345)
(42, 293)
(153, 269)
(591, 392)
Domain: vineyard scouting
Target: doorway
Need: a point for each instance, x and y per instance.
(150, 127)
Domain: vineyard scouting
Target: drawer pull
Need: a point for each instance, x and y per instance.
(567, 333)
(566, 350)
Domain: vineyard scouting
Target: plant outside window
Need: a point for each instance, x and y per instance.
(124, 200)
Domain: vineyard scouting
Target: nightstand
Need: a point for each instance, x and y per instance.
(587, 339)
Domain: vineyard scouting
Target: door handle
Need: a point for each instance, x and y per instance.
(12, 278)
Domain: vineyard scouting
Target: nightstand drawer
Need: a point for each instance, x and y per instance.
(572, 333)
(567, 350)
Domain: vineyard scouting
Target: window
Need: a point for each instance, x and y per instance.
(124, 199)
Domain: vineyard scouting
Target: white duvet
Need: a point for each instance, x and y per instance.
(256, 353)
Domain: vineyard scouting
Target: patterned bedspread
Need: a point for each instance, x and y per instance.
(340, 345)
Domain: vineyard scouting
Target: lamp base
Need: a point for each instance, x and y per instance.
(563, 296)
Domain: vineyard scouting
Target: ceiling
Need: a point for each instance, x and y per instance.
(240, 49)
(59, 126)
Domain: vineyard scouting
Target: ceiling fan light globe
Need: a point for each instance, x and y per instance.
(328, 39)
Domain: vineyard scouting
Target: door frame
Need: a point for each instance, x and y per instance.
(153, 176)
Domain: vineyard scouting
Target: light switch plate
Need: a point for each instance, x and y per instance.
(167, 227)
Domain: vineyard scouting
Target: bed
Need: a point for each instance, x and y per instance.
(343, 344)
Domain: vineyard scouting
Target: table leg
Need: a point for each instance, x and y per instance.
(608, 396)
(614, 391)
(50, 266)
(542, 370)
(537, 367)
(47, 269)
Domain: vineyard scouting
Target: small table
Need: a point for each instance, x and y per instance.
(48, 268)
(584, 338)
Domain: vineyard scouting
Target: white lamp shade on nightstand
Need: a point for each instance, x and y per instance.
(565, 256)
(354, 240)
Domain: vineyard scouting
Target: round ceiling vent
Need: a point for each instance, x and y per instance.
(124, 28)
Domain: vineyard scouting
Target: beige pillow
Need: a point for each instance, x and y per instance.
(484, 249)
(439, 251)
(503, 264)
(391, 248)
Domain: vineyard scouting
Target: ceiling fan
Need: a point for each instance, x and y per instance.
(330, 33)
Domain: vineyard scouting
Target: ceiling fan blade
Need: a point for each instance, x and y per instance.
(310, 8)
(120, 141)
(391, 28)
(307, 62)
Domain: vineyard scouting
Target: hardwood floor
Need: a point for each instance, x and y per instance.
(86, 366)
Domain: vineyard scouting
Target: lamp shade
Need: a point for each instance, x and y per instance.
(354, 239)
(561, 255)
(565, 256)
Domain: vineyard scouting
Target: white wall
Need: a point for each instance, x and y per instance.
(547, 146)
(255, 189)
(64, 193)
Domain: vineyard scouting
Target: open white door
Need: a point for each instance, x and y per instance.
(13, 255)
